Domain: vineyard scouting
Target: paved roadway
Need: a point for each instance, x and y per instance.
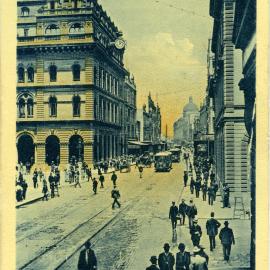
(50, 234)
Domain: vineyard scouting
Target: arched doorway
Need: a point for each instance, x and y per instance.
(52, 150)
(26, 149)
(76, 148)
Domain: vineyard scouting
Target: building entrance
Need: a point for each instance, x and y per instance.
(76, 148)
(26, 149)
(52, 150)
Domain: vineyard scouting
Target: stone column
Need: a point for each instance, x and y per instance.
(40, 154)
(64, 155)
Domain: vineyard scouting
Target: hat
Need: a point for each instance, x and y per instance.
(226, 222)
(153, 259)
(166, 245)
(183, 200)
(195, 220)
(88, 244)
(196, 249)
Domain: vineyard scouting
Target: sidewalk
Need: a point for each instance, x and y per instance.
(33, 194)
(240, 253)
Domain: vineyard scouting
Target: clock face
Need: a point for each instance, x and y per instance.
(120, 43)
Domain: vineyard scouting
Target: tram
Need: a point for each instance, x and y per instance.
(163, 161)
(176, 152)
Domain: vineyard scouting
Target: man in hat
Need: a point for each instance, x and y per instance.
(185, 178)
(173, 215)
(196, 233)
(166, 259)
(115, 195)
(212, 226)
(197, 261)
(227, 239)
(182, 258)
(226, 196)
(87, 258)
(182, 211)
(95, 185)
(153, 266)
(114, 178)
(191, 212)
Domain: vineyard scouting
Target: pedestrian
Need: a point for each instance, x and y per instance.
(153, 265)
(192, 185)
(197, 188)
(196, 233)
(166, 259)
(212, 226)
(197, 261)
(101, 180)
(115, 195)
(226, 196)
(24, 189)
(210, 192)
(35, 180)
(182, 258)
(182, 211)
(95, 185)
(191, 212)
(114, 178)
(89, 173)
(141, 170)
(215, 188)
(227, 239)
(204, 190)
(87, 258)
(19, 193)
(203, 254)
(45, 191)
(77, 179)
(185, 178)
(173, 215)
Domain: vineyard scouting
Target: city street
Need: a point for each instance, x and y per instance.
(50, 233)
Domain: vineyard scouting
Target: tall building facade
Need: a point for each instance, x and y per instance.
(244, 38)
(230, 143)
(71, 83)
(184, 126)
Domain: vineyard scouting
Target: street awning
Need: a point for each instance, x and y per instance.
(137, 143)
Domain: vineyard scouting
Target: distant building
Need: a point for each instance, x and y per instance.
(184, 126)
(149, 127)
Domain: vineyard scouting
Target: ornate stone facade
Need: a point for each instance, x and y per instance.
(71, 83)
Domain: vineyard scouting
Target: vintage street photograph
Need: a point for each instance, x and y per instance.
(135, 135)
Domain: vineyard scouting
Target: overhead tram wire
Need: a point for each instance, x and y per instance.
(181, 9)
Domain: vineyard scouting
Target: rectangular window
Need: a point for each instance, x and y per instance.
(26, 32)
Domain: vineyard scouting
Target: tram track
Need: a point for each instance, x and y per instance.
(37, 262)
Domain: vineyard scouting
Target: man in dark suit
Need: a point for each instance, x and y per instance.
(182, 211)
(153, 266)
(212, 226)
(166, 259)
(227, 239)
(173, 215)
(182, 258)
(87, 259)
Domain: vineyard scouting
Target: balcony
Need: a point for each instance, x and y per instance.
(54, 39)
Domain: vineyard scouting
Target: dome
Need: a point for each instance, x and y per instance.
(191, 107)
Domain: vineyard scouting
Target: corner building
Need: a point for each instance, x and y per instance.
(70, 90)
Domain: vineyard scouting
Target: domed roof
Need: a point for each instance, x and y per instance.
(190, 107)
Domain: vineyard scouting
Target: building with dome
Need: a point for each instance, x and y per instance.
(184, 127)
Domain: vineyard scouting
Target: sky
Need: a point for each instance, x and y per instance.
(166, 50)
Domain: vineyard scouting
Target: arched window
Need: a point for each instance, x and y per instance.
(76, 70)
(21, 108)
(53, 73)
(25, 106)
(25, 11)
(76, 28)
(53, 106)
(20, 74)
(30, 107)
(76, 101)
(30, 74)
(52, 29)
